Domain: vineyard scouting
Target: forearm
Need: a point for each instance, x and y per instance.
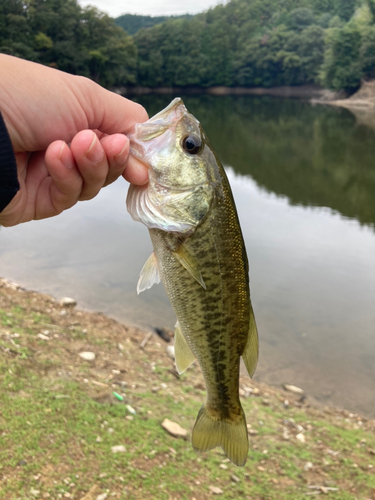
(9, 184)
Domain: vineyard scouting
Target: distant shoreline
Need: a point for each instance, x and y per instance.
(301, 92)
(361, 102)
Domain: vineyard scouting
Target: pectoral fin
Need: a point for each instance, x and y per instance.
(251, 352)
(189, 263)
(184, 356)
(149, 274)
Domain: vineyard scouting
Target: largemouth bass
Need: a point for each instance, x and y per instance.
(200, 256)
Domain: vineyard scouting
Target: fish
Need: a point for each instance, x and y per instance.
(199, 255)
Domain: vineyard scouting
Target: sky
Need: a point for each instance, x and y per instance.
(116, 8)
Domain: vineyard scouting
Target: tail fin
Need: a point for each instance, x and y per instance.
(231, 435)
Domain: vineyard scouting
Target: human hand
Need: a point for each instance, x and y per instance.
(68, 137)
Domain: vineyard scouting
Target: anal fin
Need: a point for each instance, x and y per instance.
(189, 263)
(183, 355)
(251, 351)
(149, 274)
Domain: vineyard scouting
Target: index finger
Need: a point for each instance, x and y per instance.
(106, 111)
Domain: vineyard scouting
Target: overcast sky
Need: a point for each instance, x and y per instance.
(151, 7)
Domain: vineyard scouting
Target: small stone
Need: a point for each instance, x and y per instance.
(308, 466)
(63, 312)
(118, 449)
(98, 439)
(120, 347)
(174, 429)
(252, 432)
(103, 496)
(223, 466)
(266, 402)
(235, 478)
(261, 469)
(163, 385)
(293, 388)
(42, 337)
(286, 434)
(215, 490)
(14, 286)
(242, 393)
(129, 417)
(35, 493)
(301, 437)
(67, 302)
(170, 351)
(87, 355)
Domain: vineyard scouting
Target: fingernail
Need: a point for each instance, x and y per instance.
(65, 156)
(95, 152)
(122, 156)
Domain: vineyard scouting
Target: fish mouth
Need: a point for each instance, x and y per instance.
(153, 133)
(168, 114)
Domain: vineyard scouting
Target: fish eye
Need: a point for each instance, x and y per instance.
(192, 144)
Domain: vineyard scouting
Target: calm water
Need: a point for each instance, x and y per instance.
(303, 179)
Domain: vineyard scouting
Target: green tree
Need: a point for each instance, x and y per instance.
(342, 67)
(367, 52)
(345, 8)
(371, 5)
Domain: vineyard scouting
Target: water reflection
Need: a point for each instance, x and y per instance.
(314, 155)
(303, 180)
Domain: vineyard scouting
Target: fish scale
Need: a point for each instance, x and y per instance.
(204, 270)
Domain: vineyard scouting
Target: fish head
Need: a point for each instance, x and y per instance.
(174, 147)
(171, 145)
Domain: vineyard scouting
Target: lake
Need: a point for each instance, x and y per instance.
(303, 178)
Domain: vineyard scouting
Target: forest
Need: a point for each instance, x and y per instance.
(251, 43)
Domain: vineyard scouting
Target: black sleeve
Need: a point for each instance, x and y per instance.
(9, 184)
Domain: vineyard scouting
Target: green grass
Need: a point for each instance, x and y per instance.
(57, 437)
(50, 425)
